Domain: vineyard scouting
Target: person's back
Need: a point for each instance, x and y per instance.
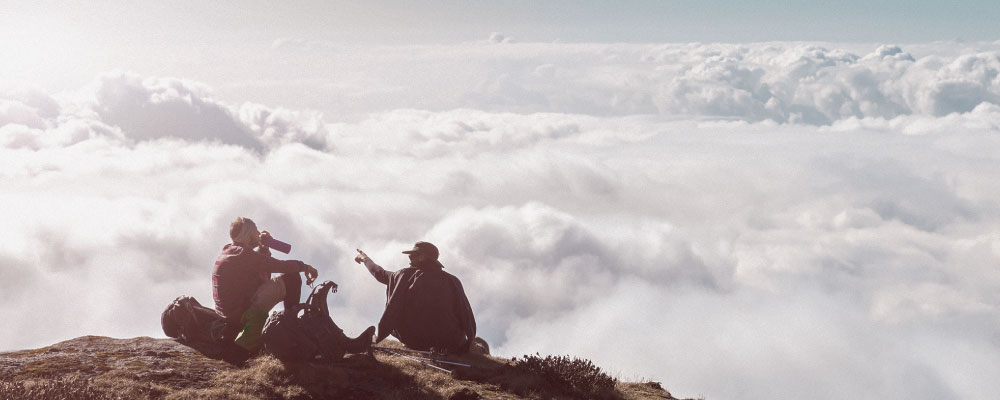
(428, 318)
(425, 307)
(237, 274)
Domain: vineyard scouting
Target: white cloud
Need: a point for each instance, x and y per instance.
(128, 107)
(497, 37)
(725, 254)
(816, 84)
(15, 112)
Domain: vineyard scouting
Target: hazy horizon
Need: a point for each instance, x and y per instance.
(769, 200)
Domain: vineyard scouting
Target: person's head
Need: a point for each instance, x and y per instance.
(422, 252)
(244, 232)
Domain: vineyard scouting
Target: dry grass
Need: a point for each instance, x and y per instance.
(75, 386)
(144, 368)
(263, 378)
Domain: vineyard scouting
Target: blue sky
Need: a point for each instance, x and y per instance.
(601, 21)
(715, 20)
(57, 46)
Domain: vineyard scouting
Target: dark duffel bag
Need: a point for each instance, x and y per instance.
(202, 329)
(187, 320)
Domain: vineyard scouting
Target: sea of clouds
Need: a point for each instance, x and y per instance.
(774, 220)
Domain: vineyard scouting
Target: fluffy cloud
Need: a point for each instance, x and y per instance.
(817, 84)
(732, 256)
(127, 106)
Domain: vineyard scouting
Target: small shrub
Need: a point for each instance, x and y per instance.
(576, 377)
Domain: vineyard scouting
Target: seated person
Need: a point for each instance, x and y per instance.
(426, 308)
(243, 288)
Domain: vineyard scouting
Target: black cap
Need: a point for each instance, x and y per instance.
(425, 248)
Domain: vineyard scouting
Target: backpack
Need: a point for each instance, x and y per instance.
(313, 336)
(186, 320)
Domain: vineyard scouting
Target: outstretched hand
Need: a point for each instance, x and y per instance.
(311, 274)
(361, 257)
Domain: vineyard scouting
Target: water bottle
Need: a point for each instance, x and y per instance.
(276, 244)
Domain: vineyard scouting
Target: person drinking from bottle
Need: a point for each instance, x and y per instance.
(426, 308)
(243, 288)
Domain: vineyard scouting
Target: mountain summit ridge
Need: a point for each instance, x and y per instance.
(97, 367)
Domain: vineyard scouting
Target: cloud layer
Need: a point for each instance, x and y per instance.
(774, 220)
(815, 84)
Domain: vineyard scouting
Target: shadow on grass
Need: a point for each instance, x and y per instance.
(230, 352)
(360, 376)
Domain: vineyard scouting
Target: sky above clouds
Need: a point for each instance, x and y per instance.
(764, 200)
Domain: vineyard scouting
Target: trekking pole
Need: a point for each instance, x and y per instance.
(394, 351)
(441, 361)
(406, 350)
(417, 359)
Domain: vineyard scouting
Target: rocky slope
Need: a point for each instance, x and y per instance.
(93, 367)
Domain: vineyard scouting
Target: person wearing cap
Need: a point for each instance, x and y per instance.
(426, 308)
(243, 288)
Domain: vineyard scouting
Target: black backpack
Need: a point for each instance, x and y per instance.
(313, 336)
(202, 329)
(187, 320)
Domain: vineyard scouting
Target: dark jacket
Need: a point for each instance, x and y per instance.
(425, 308)
(238, 273)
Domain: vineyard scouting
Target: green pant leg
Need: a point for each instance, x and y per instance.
(253, 323)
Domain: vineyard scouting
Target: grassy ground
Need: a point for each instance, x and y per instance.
(145, 368)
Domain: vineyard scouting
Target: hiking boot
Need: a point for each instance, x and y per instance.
(234, 354)
(479, 346)
(362, 343)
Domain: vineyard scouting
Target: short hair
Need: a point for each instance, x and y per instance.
(239, 227)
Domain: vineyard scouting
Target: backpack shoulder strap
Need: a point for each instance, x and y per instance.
(316, 303)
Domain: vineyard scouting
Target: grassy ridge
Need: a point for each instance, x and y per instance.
(144, 368)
